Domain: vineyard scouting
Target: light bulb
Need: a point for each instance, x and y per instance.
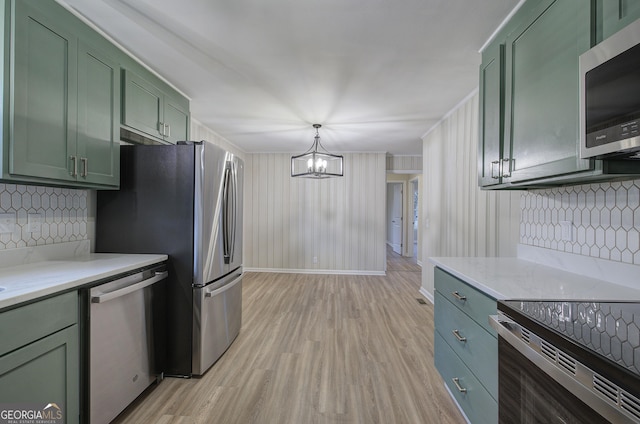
(310, 165)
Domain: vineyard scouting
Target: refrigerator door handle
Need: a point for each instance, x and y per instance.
(225, 213)
(234, 212)
(224, 288)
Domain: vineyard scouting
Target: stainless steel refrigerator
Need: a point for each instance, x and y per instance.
(184, 200)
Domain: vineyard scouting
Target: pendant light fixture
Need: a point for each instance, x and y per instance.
(316, 162)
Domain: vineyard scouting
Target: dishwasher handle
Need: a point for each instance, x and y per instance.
(105, 297)
(226, 287)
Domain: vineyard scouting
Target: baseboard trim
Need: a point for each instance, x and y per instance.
(427, 295)
(315, 271)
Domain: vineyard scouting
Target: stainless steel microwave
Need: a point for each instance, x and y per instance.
(610, 97)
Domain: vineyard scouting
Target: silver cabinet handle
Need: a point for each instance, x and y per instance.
(226, 287)
(505, 163)
(161, 127)
(461, 389)
(495, 165)
(458, 296)
(167, 133)
(105, 297)
(74, 169)
(85, 167)
(459, 337)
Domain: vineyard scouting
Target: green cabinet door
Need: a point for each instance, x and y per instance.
(42, 373)
(176, 120)
(491, 115)
(617, 14)
(541, 92)
(98, 151)
(142, 105)
(43, 139)
(150, 110)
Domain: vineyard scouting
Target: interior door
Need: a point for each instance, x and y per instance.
(394, 216)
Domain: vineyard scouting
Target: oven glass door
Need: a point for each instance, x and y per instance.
(528, 395)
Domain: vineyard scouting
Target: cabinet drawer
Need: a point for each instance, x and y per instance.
(26, 324)
(476, 402)
(464, 297)
(478, 349)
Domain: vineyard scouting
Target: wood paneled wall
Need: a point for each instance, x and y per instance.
(404, 163)
(338, 221)
(459, 219)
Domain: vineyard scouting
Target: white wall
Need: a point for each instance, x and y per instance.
(199, 132)
(340, 221)
(459, 219)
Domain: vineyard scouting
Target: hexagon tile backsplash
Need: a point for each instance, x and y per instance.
(604, 220)
(43, 215)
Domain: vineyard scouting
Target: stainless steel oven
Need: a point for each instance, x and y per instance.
(568, 362)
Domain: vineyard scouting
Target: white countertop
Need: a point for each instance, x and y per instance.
(516, 278)
(31, 280)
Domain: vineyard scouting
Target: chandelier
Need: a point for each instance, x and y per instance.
(316, 162)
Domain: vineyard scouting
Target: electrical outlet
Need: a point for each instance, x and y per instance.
(34, 223)
(315, 259)
(7, 223)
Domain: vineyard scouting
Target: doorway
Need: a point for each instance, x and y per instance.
(395, 216)
(415, 208)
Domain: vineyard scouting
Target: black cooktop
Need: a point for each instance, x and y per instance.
(592, 331)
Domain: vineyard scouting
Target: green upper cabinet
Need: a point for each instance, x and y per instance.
(98, 117)
(616, 14)
(542, 91)
(64, 106)
(176, 120)
(529, 95)
(491, 115)
(152, 111)
(44, 75)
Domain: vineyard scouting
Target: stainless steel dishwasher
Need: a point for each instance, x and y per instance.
(122, 343)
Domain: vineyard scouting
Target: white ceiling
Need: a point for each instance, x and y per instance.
(377, 74)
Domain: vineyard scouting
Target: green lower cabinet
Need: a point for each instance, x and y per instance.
(39, 356)
(473, 345)
(466, 347)
(43, 373)
(476, 402)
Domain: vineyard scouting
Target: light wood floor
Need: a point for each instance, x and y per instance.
(317, 349)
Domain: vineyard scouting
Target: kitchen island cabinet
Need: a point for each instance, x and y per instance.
(39, 356)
